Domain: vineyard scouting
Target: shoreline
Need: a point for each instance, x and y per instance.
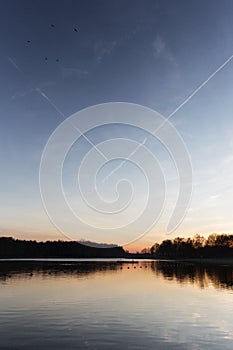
(200, 261)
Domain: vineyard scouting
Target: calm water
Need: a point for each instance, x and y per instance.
(115, 305)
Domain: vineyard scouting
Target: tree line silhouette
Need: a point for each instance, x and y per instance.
(215, 246)
(15, 248)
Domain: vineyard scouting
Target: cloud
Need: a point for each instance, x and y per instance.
(74, 72)
(228, 159)
(161, 50)
(14, 64)
(214, 197)
(158, 45)
(22, 93)
(104, 48)
(29, 90)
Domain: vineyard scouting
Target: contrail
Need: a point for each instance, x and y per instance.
(124, 161)
(200, 87)
(40, 92)
(12, 62)
(63, 115)
(50, 101)
(170, 115)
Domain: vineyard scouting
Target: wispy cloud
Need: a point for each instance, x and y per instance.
(68, 72)
(161, 50)
(228, 159)
(104, 48)
(14, 64)
(158, 45)
(23, 93)
(29, 90)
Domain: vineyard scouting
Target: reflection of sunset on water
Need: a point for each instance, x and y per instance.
(121, 302)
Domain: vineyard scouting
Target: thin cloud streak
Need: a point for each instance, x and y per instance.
(41, 93)
(199, 87)
(12, 62)
(171, 114)
(74, 126)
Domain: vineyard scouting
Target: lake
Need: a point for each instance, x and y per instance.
(115, 305)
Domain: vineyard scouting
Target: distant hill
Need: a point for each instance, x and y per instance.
(97, 245)
(15, 248)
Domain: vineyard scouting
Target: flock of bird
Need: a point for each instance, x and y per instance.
(65, 271)
(53, 26)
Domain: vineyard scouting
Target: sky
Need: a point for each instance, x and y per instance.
(151, 53)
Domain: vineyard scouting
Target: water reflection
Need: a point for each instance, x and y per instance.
(17, 269)
(199, 274)
(183, 273)
(115, 305)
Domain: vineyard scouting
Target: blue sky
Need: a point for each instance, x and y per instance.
(153, 53)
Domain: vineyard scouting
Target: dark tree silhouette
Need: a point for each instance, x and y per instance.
(215, 246)
(15, 248)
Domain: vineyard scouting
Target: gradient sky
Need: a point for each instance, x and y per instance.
(153, 53)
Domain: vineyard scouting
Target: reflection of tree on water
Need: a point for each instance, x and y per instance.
(202, 275)
(185, 273)
(10, 269)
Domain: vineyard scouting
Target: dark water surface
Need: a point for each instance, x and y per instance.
(115, 305)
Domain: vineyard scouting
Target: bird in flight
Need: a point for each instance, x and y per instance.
(53, 26)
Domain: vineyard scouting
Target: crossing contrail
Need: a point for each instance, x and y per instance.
(170, 115)
(12, 62)
(41, 93)
(74, 126)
